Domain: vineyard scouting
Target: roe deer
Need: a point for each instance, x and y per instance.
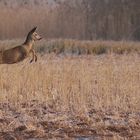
(21, 52)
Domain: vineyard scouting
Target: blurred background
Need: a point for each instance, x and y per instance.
(71, 19)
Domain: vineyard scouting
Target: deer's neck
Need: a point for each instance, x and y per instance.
(28, 44)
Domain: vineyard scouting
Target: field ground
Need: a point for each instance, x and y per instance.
(80, 97)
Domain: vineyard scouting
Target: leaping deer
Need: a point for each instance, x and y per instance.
(19, 53)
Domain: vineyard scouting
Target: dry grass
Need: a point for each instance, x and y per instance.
(75, 83)
(78, 47)
(71, 96)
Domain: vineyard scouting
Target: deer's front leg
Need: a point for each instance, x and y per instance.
(34, 56)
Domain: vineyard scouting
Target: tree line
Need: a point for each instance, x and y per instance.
(75, 19)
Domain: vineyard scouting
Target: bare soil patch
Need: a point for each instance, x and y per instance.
(38, 121)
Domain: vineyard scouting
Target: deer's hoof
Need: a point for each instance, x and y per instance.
(35, 59)
(31, 61)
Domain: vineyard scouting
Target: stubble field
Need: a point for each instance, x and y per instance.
(71, 97)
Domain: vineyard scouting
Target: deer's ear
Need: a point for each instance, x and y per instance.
(33, 30)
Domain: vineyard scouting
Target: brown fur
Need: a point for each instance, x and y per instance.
(19, 53)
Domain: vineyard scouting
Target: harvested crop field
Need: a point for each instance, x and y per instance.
(39, 122)
(71, 97)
